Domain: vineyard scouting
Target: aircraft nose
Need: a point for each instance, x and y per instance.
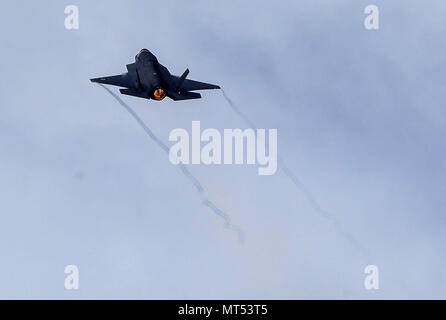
(142, 53)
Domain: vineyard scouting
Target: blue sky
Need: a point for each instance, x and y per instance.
(360, 119)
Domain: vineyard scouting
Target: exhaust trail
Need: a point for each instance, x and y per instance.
(196, 183)
(299, 185)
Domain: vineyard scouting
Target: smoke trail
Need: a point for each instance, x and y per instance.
(198, 186)
(311, 199)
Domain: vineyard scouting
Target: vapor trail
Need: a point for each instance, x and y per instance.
(311, 199)
(198, 186)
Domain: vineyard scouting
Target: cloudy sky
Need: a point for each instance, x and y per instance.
(361, 123)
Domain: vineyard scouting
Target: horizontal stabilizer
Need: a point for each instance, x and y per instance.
(184, 95)
(132, 92)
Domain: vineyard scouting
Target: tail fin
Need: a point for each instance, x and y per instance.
(181, 80)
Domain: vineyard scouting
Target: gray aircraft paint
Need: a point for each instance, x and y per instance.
(146, 75)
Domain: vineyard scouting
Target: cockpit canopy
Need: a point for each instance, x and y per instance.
(145, 54)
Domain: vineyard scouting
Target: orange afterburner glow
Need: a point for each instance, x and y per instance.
(159, 94)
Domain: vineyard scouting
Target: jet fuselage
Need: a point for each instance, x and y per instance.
(147, 78)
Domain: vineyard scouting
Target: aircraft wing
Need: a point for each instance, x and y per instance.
(189, 85)
(123, 80)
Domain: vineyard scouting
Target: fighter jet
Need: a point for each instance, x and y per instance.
(149, 79)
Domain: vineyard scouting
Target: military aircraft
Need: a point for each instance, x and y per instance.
(149, 79)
